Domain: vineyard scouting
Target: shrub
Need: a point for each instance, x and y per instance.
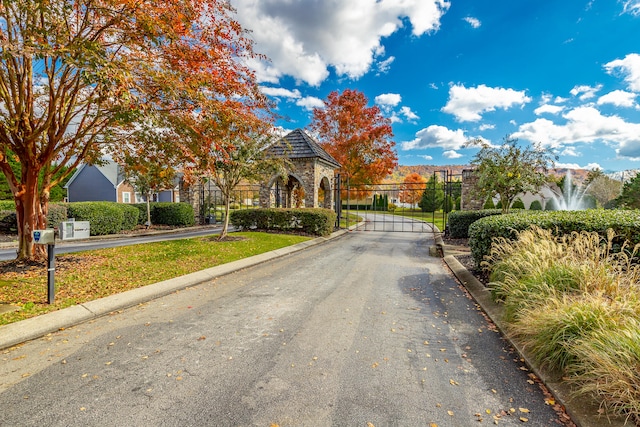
(316, 221)
(7, 205)
(489, 204)
(574, 303)
(517, 204)
(142, 212)
(57, 214)
(459, 221)
(536, 205)
(625, 224)
(8, 222)
(131, 215)
(168, 213)
(104, 217)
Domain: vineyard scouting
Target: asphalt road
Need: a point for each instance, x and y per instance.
(363, 329)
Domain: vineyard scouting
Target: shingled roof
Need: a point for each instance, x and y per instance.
(298, 145)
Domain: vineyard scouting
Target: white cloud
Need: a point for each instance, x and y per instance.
(408, 114)
(631, 7)
(590, 166)
(585, 125)
(436, 136)
(427, 157)
(570, 151)
(546, 108)
(629, 66)
(385, 65)
(388, 100)
(305, 38)
(585, 92)
(619, 98)
(310, 102)
(474, 22)
(279, 92)
(467, 104)
(451, 154)
(486, 126)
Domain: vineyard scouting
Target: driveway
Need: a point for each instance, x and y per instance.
(367, 328)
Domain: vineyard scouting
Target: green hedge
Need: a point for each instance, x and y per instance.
(625, 223)
(58, 212)
(166, 213)
(7, 205)
(459, 221)
(130, 216)
(8, 222)
(104, 217)
(319, 222)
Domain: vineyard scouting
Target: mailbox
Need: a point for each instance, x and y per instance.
(43, 237)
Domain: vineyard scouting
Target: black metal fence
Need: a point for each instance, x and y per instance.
(402, 207)
(406, 206)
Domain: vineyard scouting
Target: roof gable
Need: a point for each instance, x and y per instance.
(298, 144)
(110, 169)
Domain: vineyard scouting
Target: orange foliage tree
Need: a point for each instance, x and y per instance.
(357, 136)
(73, 71)
(412, 188)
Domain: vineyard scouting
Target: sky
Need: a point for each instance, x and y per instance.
(562, 74)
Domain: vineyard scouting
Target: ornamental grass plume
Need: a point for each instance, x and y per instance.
(575, 305)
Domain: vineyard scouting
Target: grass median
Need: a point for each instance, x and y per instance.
(86, 276)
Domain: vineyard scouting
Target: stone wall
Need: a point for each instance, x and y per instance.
(470, 199)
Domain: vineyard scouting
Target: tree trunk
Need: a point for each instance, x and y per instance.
(148, 223)
(225, 224)
(30, 216)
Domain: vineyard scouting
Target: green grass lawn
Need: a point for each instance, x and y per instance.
(85, 276)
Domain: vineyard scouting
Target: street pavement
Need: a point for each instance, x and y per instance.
(364, 329)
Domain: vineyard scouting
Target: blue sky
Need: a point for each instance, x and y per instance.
(565, 74)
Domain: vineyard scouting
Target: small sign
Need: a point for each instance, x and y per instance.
(43, 237)
(70, 230)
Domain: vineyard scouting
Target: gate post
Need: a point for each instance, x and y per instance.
(337, 199)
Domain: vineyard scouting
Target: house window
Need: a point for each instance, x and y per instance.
(139, 198)
(126, 197)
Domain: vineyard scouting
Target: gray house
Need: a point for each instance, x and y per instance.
(93, 183)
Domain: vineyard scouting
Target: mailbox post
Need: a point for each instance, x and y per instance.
(47, 237)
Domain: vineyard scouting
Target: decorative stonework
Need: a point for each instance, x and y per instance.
(312, 170)
(470, 199)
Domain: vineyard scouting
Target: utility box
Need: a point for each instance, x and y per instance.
(43, 237)
(70, 230)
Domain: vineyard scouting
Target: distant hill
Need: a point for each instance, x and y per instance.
(578, 175)
(624, 175)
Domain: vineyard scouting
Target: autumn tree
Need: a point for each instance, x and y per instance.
(509, 169)
(150, 158)
(227, 144)
(603, 188)
(71, 71)
(412, 188)
(357, 136)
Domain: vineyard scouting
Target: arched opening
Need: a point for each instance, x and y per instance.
(324, 193)
(289, 194)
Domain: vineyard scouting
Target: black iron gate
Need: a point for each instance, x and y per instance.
(411, 206)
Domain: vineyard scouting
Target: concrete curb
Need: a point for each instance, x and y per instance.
(36, 327)
(583, 413)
